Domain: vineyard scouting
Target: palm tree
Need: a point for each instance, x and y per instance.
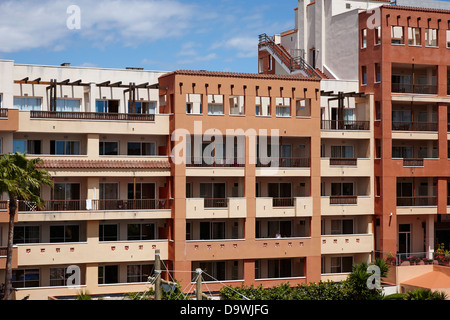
(20, 179)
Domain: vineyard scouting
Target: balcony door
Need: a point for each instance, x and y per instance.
(342, 189)
(66, 196)
(109, 191)
(143, 195)
(404, 239)
(214, 194)
(279, 190)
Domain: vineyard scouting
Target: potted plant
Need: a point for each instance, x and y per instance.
(391, 259)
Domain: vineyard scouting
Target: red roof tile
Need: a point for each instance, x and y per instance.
(432, 10)
(104, 164)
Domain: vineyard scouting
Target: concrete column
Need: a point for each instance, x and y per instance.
(92, 96)
(93, 185)
(93, 144)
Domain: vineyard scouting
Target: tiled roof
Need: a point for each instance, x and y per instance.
(104, 164)
(240, 75)
(432, 10)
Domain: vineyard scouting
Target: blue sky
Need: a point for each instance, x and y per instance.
(166, 35)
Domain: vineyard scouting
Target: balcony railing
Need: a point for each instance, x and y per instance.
(345, 125)
(3, 113)
(215, 203)
(3, 251)
(344, 200)
(91, 116)
(95, 205)
(284, 162)
(414, 88)
(205, 162)
(343, 161)
(4, 205)
(413, 162)
(414, 126)
(283, 202)
(416, 201)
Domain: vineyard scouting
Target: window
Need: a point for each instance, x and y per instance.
(397, 35)
(344, 226)
(64, 233)
(340, 152)
(215, 104)
(283, 107)
(26, 234)
(63, 147)
(377, 35)
(108, 274)
(377, 72)
(108, 232)
(25, 278)
(414, 36)
(237, 105)
(27, 146)
(363, 75)
(303, 107)
(141, 149)
(139, 232)
(194, 103)
(109, 148)
(262, 106)
(68, 105)
(27, 104)
(107, 106)
(58, 277)
(142, 107)
(342, 189)
(364, 38)
(341, 264)
(212, 230)
(403, 152)
(431, 39)
(141, 191)
(448, 43)
(138, 273)
(279, 268)
(66, 191)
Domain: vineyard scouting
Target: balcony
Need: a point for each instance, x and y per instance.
(91, 116)
(347, 205)
(414, 88)
(348, 167)
(345, 125)
(417, 201)
(414, 126)
(347, 244)
(203, 162)
(284, 163)
(284, 207)
(199, 208)
(4, 113)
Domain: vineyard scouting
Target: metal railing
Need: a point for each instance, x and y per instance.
(413, 258)
(345, 125)
(414, 126)
(343, 161)
(3, 113)
(3, 251)
(413, 162)
(344, 200)
(4, 205)
(416, 201)
(283, 202)
(216, 162)
(91, 116)
(414, 88)
(283, 162)
(215, 203)
(293, 64)
(53, 205)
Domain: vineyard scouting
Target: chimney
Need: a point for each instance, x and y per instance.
(65, 64)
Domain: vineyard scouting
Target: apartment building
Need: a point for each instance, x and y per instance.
(396, 55)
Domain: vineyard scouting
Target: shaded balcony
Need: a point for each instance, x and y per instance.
(416, 192)
(105, 116)
(414, 117)
(411, 78)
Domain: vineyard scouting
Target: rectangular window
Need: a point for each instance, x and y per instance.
(363, 75)
(237, 105)
(27, 103)
(68, 105)
(108, 232)
(25, 278)
(62, 147)
(141, 149)
(142, 107)
(342, 189)
(431, 37)
(377, 35)
(303, 107)
(212, 230)
(26, 234)
(66, 191)
(414, 36)
(107, 106)
(215, 104)
(64, 233)
(262, 106)
(108, 274)
(341, 264)
(364, 38)
(448, 39)
(27, 146)
(397, 35)
(58, 277)
(109, 148)
(283, 107)
(344, 226)
(340, 152)
(138, 273)
(377, 72)
(139, 232)
(194, 103)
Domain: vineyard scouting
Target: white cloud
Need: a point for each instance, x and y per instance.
(245, 46)
(31, 24)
